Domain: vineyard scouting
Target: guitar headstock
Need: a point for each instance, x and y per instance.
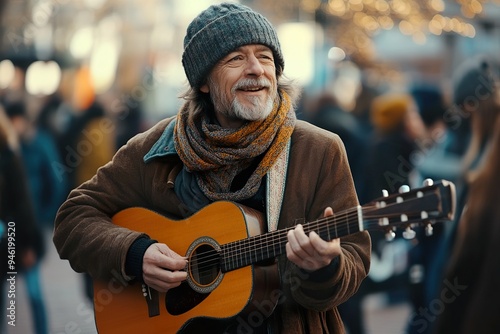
(432, 203)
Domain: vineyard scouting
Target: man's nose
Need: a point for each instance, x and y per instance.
(253, 66)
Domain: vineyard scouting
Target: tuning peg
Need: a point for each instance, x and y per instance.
(404, 189)
(408, 233)
(382, 204)
(390, 235)
(383, 221)
(429, 230)
(428, 182)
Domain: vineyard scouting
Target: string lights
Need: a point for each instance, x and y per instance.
(352, 24)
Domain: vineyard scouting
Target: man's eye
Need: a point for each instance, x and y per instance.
(235, 58)
(266, 56)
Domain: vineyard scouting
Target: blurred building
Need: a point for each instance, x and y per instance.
(133, 48)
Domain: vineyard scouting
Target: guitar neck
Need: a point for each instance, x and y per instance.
(270, 245)
(432, 203)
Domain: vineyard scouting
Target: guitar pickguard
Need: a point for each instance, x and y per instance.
(182, 299)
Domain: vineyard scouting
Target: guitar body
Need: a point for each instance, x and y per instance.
(210, 297)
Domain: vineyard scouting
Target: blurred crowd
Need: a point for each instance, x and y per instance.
(403, 137)
(49, 145)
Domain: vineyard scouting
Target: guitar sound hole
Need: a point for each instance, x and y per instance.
(204, 265)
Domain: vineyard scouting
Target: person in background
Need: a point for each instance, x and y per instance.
(388, 163)
(53, 118)
(475, 101)
(236, 138)
(364, 98)
(17, 215)
(476, 95)
(88, 140)
(325, 112)
(39, 154)
(431, 107)
(472, 269)
(434, 163)
(447, 137)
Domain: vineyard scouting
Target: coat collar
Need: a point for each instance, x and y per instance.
(164, 146)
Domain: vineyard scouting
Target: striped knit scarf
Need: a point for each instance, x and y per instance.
(218, 154)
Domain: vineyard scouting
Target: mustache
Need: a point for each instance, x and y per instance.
(248, 83)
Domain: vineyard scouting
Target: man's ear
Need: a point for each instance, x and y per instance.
(204, 88)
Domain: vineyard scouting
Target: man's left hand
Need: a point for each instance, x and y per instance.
(311, 252)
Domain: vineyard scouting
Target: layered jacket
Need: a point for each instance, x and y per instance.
(142, 174)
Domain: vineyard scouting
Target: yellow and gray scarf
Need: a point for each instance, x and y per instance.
(218, 154)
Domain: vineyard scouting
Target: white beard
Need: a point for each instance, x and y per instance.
(253, 112)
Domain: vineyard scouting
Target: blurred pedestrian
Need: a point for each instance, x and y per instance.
(89, 143)
(388, 162)
(88, 139)
(433, 162)
(470, 283)
(476, 99)
(17, 221)
(325, 111)
(40, 156)
(364, 99)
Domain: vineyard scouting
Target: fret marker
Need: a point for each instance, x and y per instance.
(404, 218)
(420, 194)
(399, 199)
(424, 215)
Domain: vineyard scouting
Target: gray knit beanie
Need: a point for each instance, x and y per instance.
(221, 29)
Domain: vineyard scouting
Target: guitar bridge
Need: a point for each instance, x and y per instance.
(152, 299)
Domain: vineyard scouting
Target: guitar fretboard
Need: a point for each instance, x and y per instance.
(267, 246)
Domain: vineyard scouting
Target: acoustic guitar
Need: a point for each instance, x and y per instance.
(232, 272)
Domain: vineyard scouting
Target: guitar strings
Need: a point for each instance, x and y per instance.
(322, 225)
(264, 238)
(239, 253)
(238, 256)
(278, 239)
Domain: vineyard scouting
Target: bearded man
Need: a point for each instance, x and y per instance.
(235, 141)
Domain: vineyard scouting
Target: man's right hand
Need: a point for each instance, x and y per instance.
(162, 268)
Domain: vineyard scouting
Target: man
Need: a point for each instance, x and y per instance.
(235, 139)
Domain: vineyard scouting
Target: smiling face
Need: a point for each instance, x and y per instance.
(243, 85)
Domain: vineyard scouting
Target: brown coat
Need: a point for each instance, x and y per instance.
(318, 176)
